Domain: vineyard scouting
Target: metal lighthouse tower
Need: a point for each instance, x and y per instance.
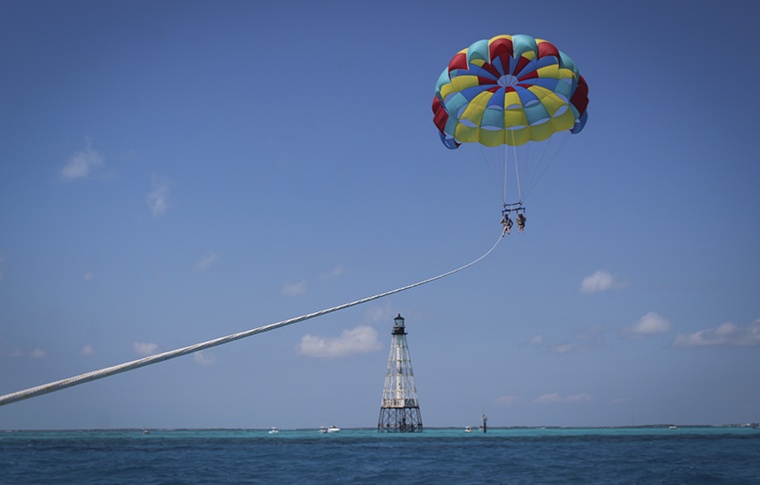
(399, 411)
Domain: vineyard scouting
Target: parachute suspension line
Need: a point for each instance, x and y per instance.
(544, 162)
(516, 161)
(517, 176)
(154, 359)
(506, 169)
(482, 170)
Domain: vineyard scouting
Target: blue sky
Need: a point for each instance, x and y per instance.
(174, 172)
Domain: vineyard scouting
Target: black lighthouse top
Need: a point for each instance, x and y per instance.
(398, 326)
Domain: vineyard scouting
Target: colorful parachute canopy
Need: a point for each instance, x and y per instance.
(509, 90)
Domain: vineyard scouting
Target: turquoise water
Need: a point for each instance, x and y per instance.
(516, 455)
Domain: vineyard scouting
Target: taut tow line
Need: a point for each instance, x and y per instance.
(156, 358)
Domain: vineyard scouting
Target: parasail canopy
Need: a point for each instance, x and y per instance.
(509, 90)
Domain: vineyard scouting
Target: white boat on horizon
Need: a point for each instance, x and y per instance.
(274, 430)
(331, 429)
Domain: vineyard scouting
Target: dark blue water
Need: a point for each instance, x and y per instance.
(513, 456)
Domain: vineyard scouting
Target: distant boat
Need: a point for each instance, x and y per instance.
(468, 429)
(333, 429)
(274, 430)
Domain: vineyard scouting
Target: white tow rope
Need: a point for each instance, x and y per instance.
(154, 359)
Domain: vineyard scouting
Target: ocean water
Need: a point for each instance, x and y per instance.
(363, 456)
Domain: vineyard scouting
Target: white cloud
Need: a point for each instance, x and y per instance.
(37, 353)
(144, 348)
(333, 273)
(299, 288)
(536, 341)
(547, 398)
(581, 397)
(563, 348)
(294, 289)
(158, 197)
(358, 340)
(203, 358)
(206, 262)
(600, 281)
(80, 164)
(556, 397)
(726, 334)
(649, 324)
(87, 350)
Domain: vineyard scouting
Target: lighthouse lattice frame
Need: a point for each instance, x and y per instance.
(399, 410)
